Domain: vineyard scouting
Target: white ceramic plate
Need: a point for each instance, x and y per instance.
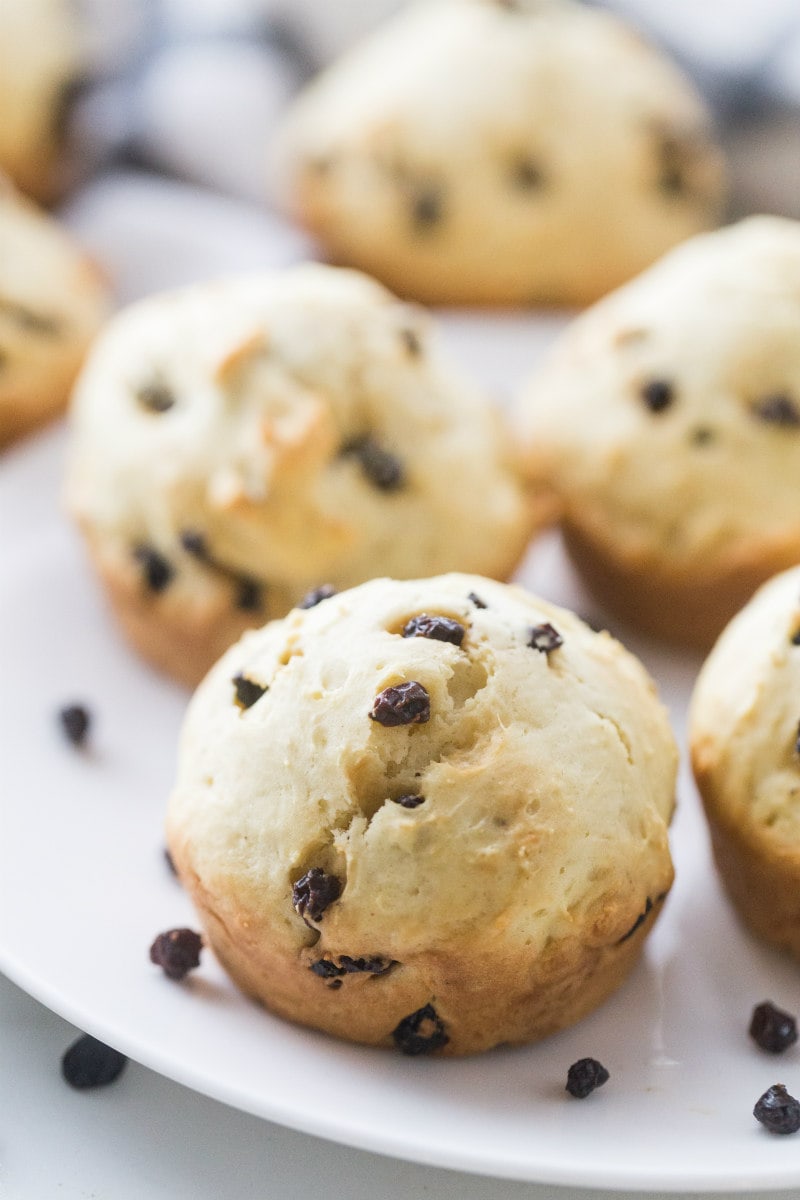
(84, 888)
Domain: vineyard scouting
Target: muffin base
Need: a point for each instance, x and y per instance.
(761, 879)
(22, 415)
(483, 998)
(688, 611)
(183, 635)
(182, 641)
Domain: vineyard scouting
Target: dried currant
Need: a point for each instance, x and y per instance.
(421, 1032)
(777, 1110)
(195, 543)
(584, 1076)
(329, 968)
(439, 629)
(249, 594)
(32, 322)
(410, 801)
(247, 691)
(89, 1063)
(427, 209)
(526, 175)
(315, 597)
(412, 342)
(156, 571)
(177, 952)
(155, 397)
(772, 1029)
(657, 394)
(544, 638)
(383, 470)
(405, 704)
(777, 410)
(313, 893)
(702, 435)
(76, 721)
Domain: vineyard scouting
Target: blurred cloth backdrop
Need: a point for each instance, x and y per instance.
(194, 88)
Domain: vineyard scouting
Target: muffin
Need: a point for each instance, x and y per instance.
(40, 67)
(667, 422)
(745, 743)
(496, 152)
(430, 814)
(238, 443)
(52, 302)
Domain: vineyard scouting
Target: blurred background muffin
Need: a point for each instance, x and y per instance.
(479, 152)
(241, 442)
(52, 303)
(667, 421)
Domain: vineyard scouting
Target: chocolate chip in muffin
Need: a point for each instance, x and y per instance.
(779, 410)
(544, 638)
(410, 801)
(315, 597)
(405, 704)
(427, 208)
(777, 1110)
(249, 596)
(476, 600)
(421, 1032)
(584, 1076)
(170, 861)
(75, 721)
(438, 629)
(155, 397)
(772, 1029)
(329, 968)
(657, 394)
(797, 740)
(177, 952)
(526, 175)
(640, 920)
(313, 893)
(247, 691)
(382, 469)
(89, 1063)
(796, 637)
(156, 571)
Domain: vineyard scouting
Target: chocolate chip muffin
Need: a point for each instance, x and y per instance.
(481, 151)
(52, 302)
(40, 66)
(238, 443)
(667, 421)
(428, 814)
(745, 743)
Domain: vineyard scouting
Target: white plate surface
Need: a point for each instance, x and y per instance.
(84, 888)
